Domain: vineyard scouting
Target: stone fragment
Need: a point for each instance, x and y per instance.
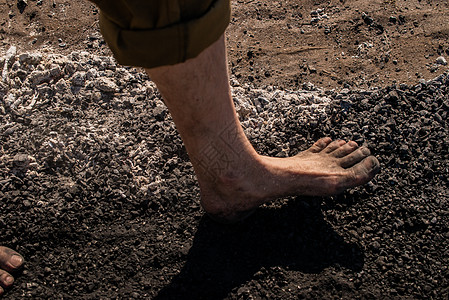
(8, 58)
(21, 5)
(91, 74)
(79, 78)
(38, 77)
(70, 68)
(55, 71)
(441, 61)
(106, 85)
(61, 86)
(23, 161)
(30, 58)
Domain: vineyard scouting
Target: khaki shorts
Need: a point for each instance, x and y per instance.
(152, 33)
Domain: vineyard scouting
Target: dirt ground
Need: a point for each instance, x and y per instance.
(89, 231)
(279, 43)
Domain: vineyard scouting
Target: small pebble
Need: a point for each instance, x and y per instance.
(441, 61)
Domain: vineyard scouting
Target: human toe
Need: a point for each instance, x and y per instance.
(6, 280)
(320, 144)
(345, 149)
(9, 259)
(333, 146)
(354, 157)
(364, 171)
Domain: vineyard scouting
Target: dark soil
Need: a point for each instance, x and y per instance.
(99, 196)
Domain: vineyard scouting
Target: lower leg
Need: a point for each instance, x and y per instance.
(233, 178)
(197, 94)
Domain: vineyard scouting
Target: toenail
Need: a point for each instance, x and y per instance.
(365, 151)
(352, 144)
(374, 164)
(16, 261)
(9, 280)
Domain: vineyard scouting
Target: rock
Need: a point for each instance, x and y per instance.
(38, 77)
(8, 58)
(30, 58)
(367, 19)
(243, 290)
(70, 68)
(441, 61)
(91, 74)
(106, 85)
(55, 71)
(61, 86)
(79, 78)
(23, 162)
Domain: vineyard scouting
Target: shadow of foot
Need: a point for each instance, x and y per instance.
(223, 257)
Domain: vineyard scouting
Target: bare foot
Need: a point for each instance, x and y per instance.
(10, 261)
(233, 178)
(326, 168)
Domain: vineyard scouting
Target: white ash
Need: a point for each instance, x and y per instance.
(106, 85)
(36, 77)
(44, 88)
(263, 109)
(7, 59)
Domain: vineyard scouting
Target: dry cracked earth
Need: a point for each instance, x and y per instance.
(98, 194)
